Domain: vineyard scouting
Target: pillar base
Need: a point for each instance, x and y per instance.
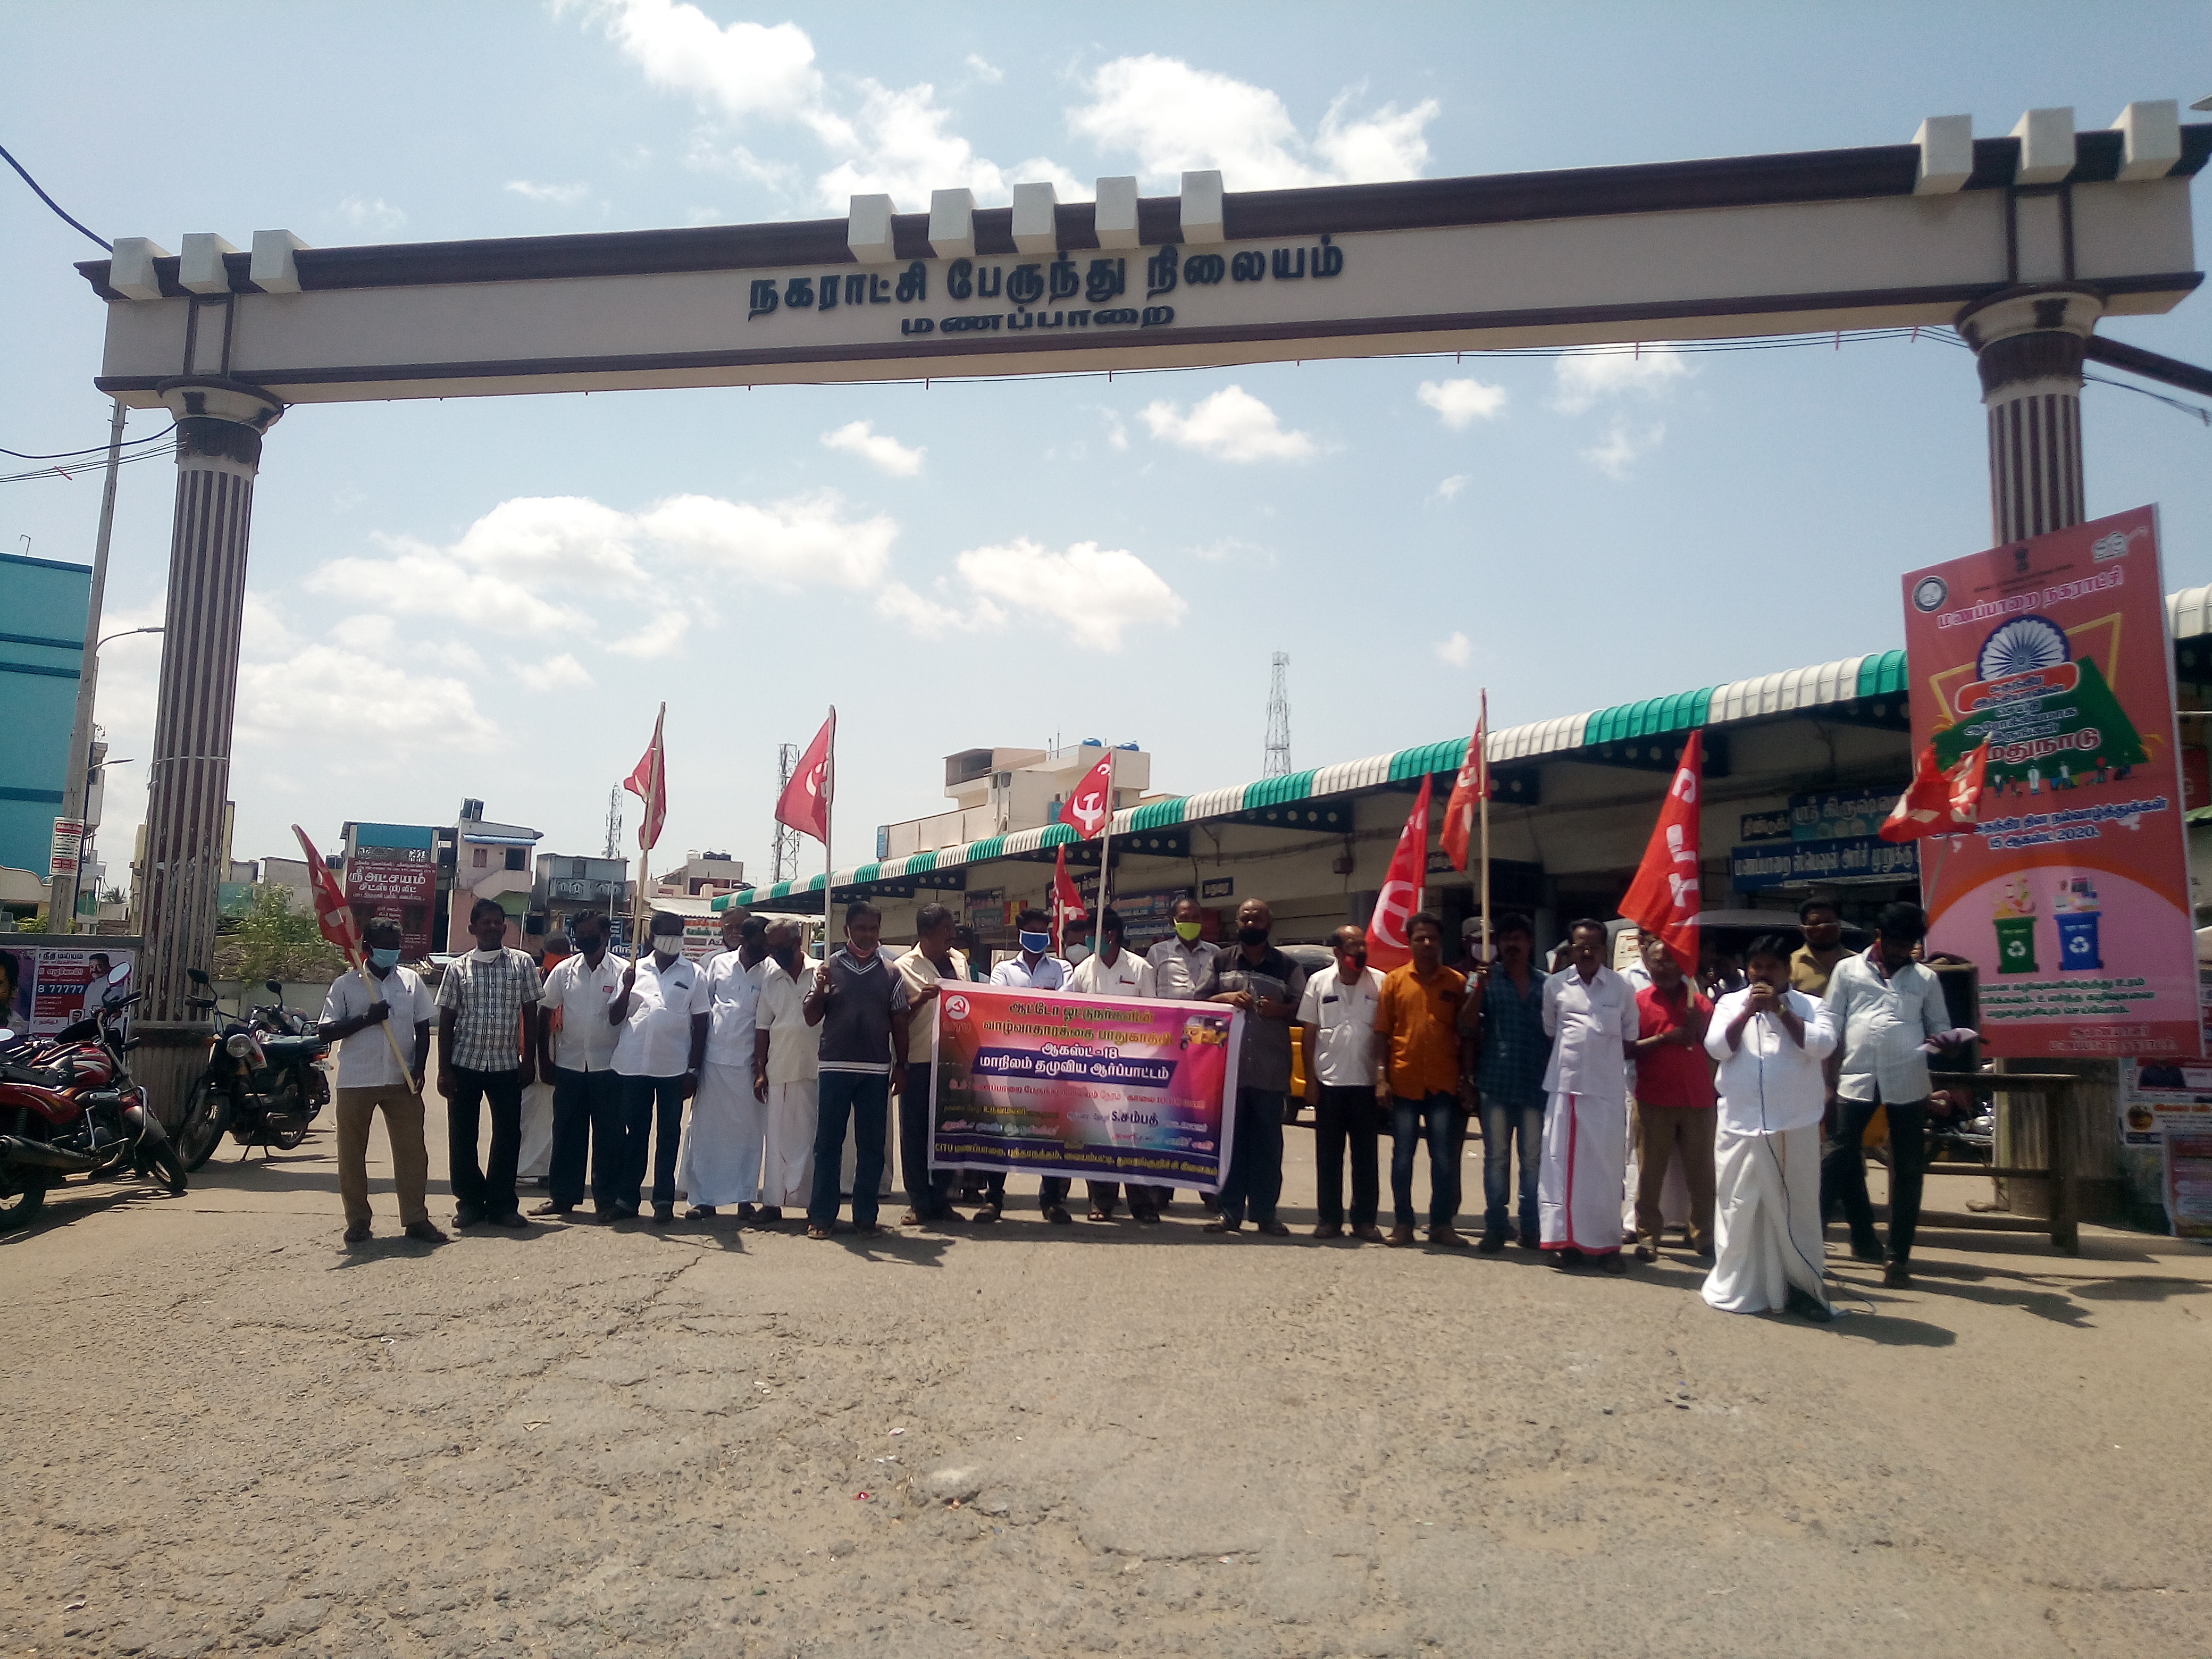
(166, 1059)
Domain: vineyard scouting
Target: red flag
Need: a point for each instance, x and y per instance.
(649, 783)
(1066, 903)
(1471, 788)
(1387, 947)
(1090, 805)
(1938, 803)
(332, 914)
(1663, 897)
(805, 803)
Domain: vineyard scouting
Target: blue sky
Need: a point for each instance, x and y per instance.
(423, 626)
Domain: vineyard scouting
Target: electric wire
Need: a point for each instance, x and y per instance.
(75, 224)
(96, 449)
(70, 472)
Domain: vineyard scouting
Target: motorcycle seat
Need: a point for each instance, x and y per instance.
(287, 1048)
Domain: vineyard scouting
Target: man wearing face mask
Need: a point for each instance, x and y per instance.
(370, 1080)
(1338, 1015)
(1266, 986)
(487, 1056)
(858, 1001)
(1181, 963)
(576, 1049)
(720, 1161)
(787, 1067)
(659, 1046)
(1037, 969)
(1111, 971)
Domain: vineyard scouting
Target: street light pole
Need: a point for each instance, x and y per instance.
(61, 894)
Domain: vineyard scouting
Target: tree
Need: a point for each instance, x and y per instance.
(273, 940)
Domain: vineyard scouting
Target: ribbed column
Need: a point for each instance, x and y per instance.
(2028, 345)
(219, 428)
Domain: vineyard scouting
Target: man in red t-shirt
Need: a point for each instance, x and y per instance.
(1674, 1099)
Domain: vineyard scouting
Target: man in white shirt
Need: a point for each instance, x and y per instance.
(931, 964)
(1337, 1017)
(786, 1069)
(1590, 1014)
(1886, 1008)
(576, 1049)
(371, 1080)
(1181, 962)
(1770, 1041)
(659, 1045)
(720, 1163)
(1036, 968)
(1111, 971)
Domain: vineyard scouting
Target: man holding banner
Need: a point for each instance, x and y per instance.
(1036, 969)
(1111, 971)
(1266, 986)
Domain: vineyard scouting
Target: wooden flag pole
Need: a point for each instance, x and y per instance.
(360, 965)
(828, 830)
(655, 787)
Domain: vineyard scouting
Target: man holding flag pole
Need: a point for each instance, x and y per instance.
(377, 1077)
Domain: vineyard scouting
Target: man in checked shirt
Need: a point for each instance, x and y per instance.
(487, 1054)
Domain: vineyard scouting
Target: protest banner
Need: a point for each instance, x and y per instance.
(1108, 1088)
(2071, 894)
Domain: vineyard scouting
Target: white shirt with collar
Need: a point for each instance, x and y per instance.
(729, 992)
(654, 1039)
(1882, 1019)
(1178, 970)
(1050, 974)
(1590, 1023)
(1769, 1082)
(794, 1048)
(575, 999)
(920, 973)
(1128, 977)
(365, 1058)
(1344, 1011)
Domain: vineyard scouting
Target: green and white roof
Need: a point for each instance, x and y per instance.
(1850, 680)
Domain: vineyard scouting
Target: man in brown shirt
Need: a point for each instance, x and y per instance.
(1822, 925)
(1420, 1073)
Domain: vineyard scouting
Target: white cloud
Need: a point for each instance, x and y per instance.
(1233, 547)
(1449, 488)
(880, 449)
(1173, 118)
(1459, 403)
(896, 140)
(569, 536)
(551, 673)
(1624, 445)
(985, 71)
(1091, 593)
(664, 632)
(1456, 650)
(926, 617)
(1117, 430)
(1231, 425)
(321, 688)
(786, 545)
(1582, 379)
(364, 213)
(558, 195)
(418, 579)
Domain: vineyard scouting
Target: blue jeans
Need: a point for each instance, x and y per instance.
(1501, 1124)
(644, 1100)
(866, 1100)
(1255, 1156)
(1436, 1116)
(586, 1114)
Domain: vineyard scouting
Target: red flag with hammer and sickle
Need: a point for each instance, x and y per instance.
(805, 805)
(1664, 899)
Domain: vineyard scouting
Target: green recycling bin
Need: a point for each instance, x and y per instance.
(2016, 945)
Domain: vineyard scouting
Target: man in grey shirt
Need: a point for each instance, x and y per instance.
(860, 1001)
(1886, 1008)
(1266, 986)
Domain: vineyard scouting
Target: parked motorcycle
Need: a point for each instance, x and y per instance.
(69, 1107)
(262, 1083)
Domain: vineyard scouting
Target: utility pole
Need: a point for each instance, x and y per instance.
(783, 860)
(61, 895)
(1277, 761)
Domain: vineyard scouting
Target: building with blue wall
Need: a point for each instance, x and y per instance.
(42, 610)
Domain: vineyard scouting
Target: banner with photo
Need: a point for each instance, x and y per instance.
(1106, 1088)
(59, 978)
(2072, 893)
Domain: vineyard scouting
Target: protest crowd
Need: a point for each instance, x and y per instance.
(1588, 1086)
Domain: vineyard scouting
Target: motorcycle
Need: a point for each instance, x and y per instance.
(262, 1082)
(69, 1107)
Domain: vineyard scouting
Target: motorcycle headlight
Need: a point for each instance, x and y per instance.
(239, 1044)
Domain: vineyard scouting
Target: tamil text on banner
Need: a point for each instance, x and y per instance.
(58, 984)
(1104, 1087)
(397, 885)
(2072, 893)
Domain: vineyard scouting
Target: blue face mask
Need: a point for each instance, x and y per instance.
(386, 960)
(1039, 943)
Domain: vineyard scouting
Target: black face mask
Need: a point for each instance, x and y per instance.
(1251, 936)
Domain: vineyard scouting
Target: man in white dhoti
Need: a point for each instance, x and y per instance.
(1770, 1041)
(720, 1163)
(787, 1062)
(1589, 1013)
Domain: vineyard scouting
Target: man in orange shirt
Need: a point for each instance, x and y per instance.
(1420, 1073)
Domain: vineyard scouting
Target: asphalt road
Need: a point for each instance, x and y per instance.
(228, 1432)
